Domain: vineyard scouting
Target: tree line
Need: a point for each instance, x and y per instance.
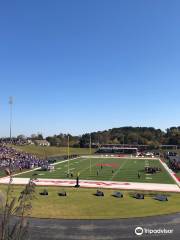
(123, 135)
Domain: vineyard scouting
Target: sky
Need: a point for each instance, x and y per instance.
(89, 65)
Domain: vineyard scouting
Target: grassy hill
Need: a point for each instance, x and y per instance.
(51, 151)
(82, 204)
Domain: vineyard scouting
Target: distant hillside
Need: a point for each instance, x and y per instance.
(123, 135)
(50, 151)
(134, 135)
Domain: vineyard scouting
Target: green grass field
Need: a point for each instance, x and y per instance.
(82, 204)
(114, 169)
(51, 151)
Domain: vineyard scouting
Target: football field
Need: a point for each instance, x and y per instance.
(106, 169)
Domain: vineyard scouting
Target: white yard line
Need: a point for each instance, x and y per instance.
(126, 157)
(34, 169)
(87, 167)
(125, 161)
(170, 172)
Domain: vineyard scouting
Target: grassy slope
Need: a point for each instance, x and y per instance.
(127, 170)
(51, 151)
(82, 204)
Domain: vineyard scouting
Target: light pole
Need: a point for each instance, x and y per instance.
(10, 122)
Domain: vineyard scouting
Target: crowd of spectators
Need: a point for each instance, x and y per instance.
(15, 160)
(14, 141)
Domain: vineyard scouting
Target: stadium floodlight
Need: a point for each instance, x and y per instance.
(10, 121)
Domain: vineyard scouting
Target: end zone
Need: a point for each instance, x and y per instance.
(96, 184)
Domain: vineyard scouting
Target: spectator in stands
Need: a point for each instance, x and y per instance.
(15, 160)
